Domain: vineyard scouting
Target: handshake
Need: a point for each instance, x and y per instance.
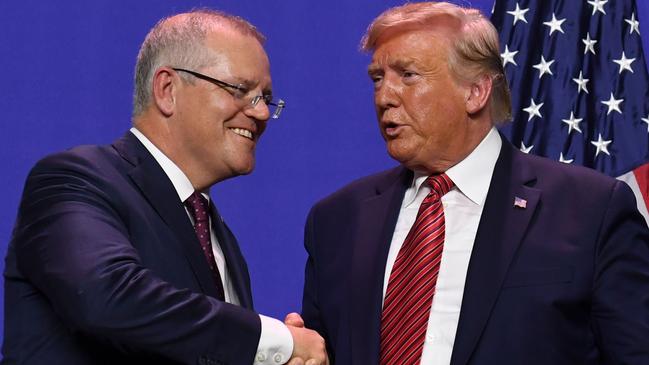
(308, 346)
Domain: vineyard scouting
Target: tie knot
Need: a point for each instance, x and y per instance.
(441, 184)
(198, 207)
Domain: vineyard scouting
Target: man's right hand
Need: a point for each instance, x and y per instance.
(308, 346)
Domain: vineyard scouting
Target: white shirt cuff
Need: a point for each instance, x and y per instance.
(275, 343)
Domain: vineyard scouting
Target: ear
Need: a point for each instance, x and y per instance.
(478, 95)
(164, 90)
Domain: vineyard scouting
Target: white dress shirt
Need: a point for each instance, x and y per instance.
(462, 210)
(276, 343)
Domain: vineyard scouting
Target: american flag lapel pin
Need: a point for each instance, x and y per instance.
(520, 202)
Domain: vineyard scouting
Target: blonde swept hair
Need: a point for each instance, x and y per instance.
(474, 51)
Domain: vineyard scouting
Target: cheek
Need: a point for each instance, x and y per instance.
(440, 112)
(425, 110)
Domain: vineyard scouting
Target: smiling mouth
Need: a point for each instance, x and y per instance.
(242, 132)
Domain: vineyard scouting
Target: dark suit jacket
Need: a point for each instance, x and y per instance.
(104, 267)
(563, 281)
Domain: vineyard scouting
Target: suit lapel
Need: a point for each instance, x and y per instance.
(161, 195)
(500, 232)
(235, 263)
(376, 221)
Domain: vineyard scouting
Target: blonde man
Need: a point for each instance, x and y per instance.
(470, 252)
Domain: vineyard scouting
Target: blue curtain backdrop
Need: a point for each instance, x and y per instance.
(67, 70)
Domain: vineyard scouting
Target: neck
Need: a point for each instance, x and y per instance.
(162, 136)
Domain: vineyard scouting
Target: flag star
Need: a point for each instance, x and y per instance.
(563, 159)
(625, 63)
(646, 120)
(544, 67)
(613, 104)
(590, 44)
(602, 145)
(581, 83)
(533, 110)
(508, 57)
(598, 5)
(633, 22)
(555, 24)
(526, 149)
(519, 14)
(573, 123)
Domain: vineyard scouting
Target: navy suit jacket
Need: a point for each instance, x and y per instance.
(104, 267)
(563, 281)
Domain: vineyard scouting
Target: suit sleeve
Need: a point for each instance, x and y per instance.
(73, 245)
(620, 307)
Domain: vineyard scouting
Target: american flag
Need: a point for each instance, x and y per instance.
(579, 84)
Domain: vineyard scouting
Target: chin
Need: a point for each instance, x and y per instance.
(247, 168)
(399, 154)
(409, 160)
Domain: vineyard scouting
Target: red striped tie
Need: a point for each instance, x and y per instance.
(411, 286)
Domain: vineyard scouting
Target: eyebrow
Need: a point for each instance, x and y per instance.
(248, 84)
(373, 68)
(401, 64)
(398, 64)
(251, 84)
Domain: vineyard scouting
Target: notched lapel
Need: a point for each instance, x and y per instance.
(377, 218)
(161, 195)
(509, 209)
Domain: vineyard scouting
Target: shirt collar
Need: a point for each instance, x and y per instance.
(180, 181)
(472, 176)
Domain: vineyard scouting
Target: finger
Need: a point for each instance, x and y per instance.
(316, 362)
(296, 361)
(294, 319)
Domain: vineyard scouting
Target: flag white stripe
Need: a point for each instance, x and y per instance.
(629, 179)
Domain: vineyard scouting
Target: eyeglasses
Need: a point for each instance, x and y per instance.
(240, 92)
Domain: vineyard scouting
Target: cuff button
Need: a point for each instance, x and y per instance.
(261, 357)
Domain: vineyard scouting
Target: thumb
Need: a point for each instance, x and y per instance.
(294, 319)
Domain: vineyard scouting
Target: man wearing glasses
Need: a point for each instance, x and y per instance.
(118, 254)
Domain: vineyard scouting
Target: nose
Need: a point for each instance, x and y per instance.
(386, 95)
(259, 112)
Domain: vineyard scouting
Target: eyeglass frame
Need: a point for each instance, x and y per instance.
(268, 99)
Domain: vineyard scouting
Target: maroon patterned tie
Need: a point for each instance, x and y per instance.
(198, 207)
(411, 286)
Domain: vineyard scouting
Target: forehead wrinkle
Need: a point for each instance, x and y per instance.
(398, 62)
(232, 53)
(391, 59)
(425, 49)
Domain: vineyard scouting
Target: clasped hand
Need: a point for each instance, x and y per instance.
(308, 346)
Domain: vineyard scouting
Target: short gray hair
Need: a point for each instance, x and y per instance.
(474, 53)
(178, 41)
